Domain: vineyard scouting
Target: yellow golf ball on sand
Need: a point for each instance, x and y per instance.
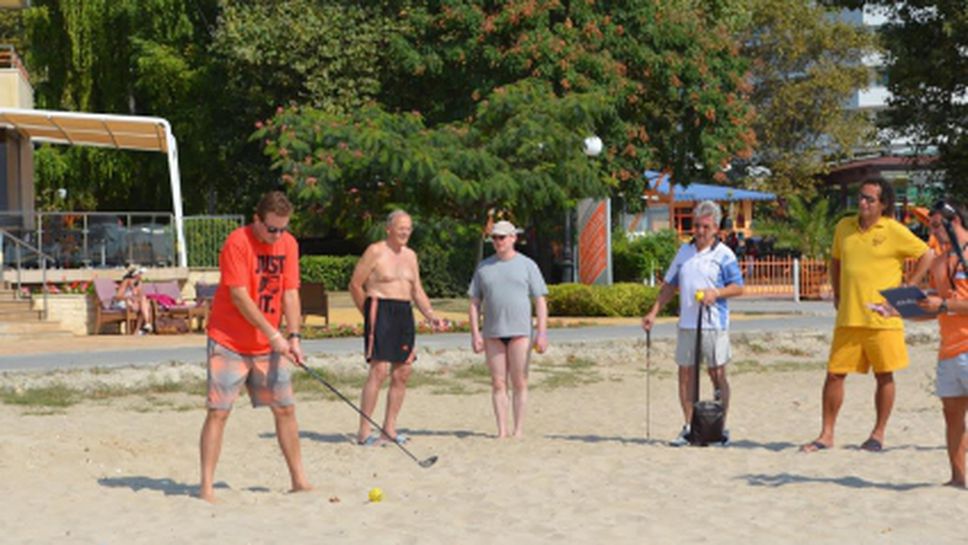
(376, 495)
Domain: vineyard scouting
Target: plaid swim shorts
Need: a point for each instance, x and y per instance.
(266, 376)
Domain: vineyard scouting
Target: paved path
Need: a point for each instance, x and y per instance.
(750, 316)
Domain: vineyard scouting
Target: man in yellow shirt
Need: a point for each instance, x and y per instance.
(868, 256)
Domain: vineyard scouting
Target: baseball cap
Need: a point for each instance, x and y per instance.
(504, 228)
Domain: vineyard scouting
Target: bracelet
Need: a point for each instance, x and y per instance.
(274, 335)
(294, 335)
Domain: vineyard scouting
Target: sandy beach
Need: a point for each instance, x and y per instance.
(116, 469)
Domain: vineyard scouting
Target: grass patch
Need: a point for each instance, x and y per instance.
(59, 396)
(54, 396)
(304, 382)
(475, 372)
(576, 371)
(750, 366)
(456, 388)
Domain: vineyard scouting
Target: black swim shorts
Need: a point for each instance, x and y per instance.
(388, 331)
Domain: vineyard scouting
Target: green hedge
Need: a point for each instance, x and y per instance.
(334, 271)
(621, 299)
(632, 260)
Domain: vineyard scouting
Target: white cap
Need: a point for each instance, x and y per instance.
(503, 228)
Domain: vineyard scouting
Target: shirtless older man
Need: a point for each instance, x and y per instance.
(385, 282)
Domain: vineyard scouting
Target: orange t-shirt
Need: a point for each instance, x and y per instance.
(266, 271)
(954, 327)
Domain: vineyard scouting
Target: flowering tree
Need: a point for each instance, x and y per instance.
(484, 105)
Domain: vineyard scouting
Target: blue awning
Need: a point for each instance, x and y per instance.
(704, 192)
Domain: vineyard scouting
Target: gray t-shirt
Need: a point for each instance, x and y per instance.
(505, 289)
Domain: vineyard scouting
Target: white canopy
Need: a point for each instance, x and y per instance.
(106, 130)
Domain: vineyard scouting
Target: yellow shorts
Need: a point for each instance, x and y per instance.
(857, 349)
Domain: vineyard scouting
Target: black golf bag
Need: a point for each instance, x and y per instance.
(708, 417)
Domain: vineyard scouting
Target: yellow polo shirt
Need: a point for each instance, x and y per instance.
(871, 261)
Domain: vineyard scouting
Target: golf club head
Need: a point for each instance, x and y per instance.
(428, 462)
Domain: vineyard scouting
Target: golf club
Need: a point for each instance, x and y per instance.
(422, 463)
(648, 384)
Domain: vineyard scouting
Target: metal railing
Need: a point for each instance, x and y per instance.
(792, 277)
(204, 236)
(20, 247)
(9, 59)
(115, 239)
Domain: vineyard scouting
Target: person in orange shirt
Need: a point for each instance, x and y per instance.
(950, 278)
(259, 285)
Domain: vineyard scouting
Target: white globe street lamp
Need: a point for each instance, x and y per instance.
(592, 146)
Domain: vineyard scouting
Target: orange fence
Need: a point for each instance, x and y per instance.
(774, 277)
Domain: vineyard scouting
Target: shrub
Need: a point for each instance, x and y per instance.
(334, 271)
(447, 251)
(622, 299)
(573, 300)
(634, 258)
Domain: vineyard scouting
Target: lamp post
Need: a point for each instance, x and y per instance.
(567, 260)
(591, 146)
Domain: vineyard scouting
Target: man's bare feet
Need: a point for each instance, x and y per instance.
(814, 446)
(304, 487)
(954, 483)
(207, 495)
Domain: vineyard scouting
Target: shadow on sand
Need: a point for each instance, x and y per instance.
(609, 439)
(165, 485)
(783, 479)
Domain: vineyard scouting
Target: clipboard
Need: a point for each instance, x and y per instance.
(905, 301)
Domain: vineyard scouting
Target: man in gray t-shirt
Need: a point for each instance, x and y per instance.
(503, 286)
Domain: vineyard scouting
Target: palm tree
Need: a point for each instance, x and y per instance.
(808, 227)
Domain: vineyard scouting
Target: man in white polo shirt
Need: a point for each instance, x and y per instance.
(703, 265)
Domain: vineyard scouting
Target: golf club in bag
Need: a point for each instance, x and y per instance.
(422, 463)
(708, 417)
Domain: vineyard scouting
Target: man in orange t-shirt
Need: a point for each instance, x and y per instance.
(259, 266)
(951, 305)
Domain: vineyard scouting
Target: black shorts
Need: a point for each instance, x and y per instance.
(388, 331)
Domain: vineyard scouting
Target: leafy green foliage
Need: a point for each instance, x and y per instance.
(447, 252)
(484, 106)
(805, 64)
(805, 226)
(127, 57)
(327, 55)
(925, 66)
(635, 258)
(621, 299)
(522, 154)
(333, 271)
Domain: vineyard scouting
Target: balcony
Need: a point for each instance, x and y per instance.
(15, 89)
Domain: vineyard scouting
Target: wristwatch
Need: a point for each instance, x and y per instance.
(294, 335)
(943, 307)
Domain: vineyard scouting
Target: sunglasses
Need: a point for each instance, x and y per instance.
(867, 198)
(275, 230)
(498, 237)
